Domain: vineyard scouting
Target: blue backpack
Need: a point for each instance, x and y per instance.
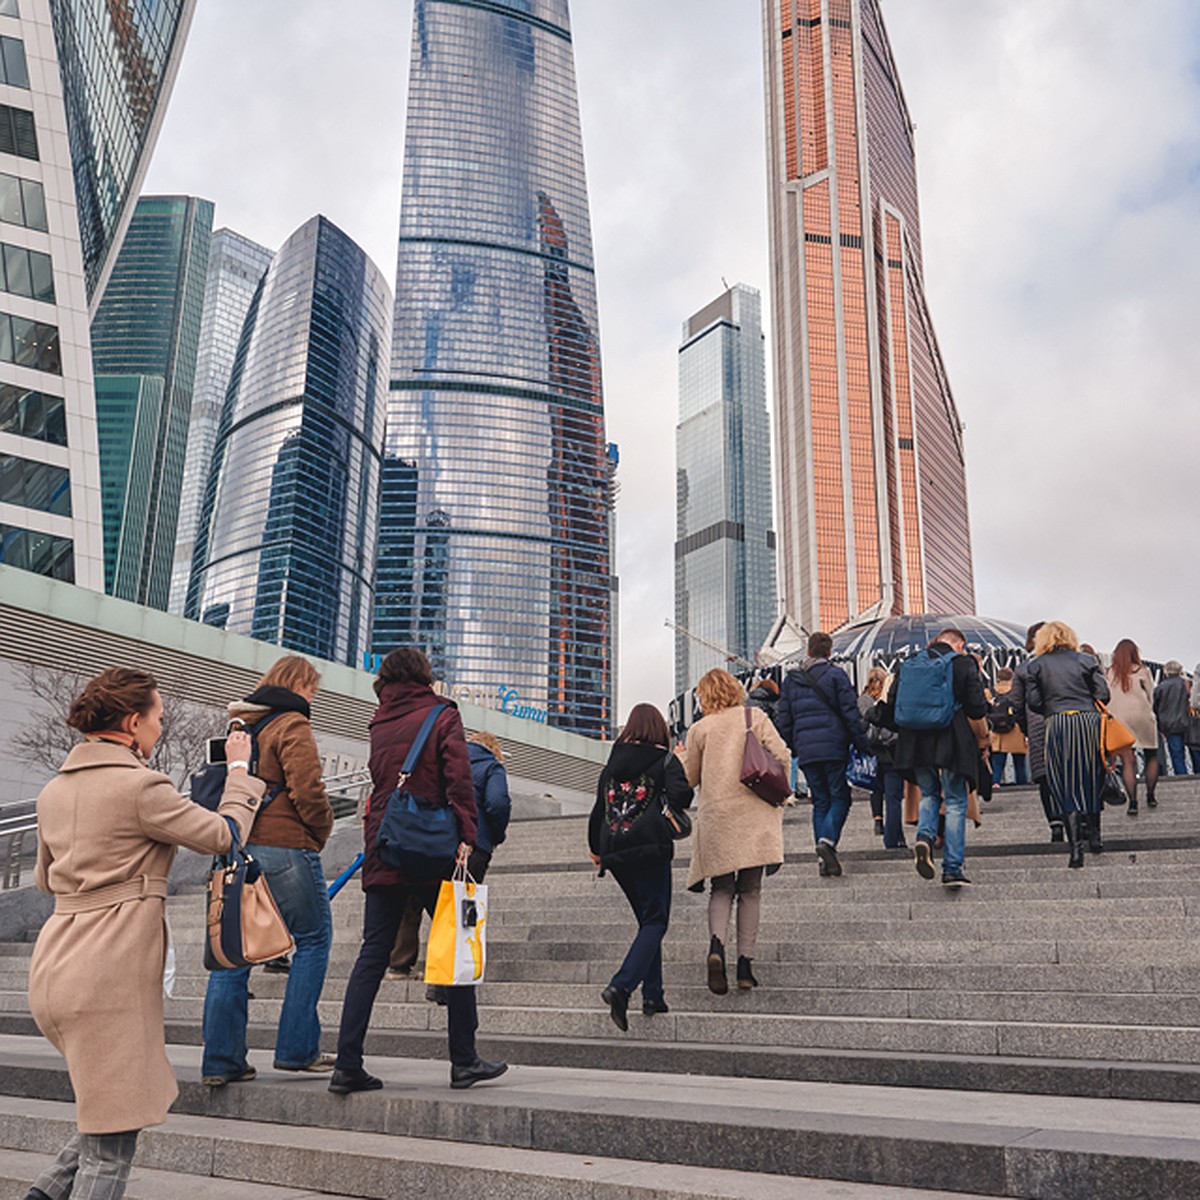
(925, 692)
(208, 783)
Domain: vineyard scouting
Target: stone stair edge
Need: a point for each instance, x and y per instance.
(1011, 1154)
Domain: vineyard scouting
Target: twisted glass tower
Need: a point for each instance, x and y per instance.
(495, 549)
(286, 541)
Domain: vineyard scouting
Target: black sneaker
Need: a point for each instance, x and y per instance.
(955, 880)
(828, 855)
(923, 857)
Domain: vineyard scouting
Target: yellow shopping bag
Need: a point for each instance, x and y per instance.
(457, 949)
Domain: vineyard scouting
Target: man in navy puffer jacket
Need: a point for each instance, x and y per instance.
(818, 718)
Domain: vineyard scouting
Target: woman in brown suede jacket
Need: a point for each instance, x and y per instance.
(288, 836)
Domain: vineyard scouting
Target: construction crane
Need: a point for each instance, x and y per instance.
(728, 655)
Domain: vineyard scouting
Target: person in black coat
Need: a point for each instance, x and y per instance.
(628, 835)
(944, 761)
(818, 718)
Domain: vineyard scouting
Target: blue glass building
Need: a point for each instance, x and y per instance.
(236, 266)
(145, 338)
(725, 593)
(495, 545)
(286, 543)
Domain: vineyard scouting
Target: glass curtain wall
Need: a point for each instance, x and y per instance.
(495, 551)
(286, 544)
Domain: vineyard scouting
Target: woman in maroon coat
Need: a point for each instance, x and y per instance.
(443, 772)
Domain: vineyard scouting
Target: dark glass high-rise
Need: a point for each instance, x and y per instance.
(286, 542)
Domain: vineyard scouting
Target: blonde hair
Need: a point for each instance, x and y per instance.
(877, 675)
(291, 672)
(1054, 634)
(717, 690)
(489, 741)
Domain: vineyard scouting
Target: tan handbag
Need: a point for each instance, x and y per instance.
(1114, 734)
(244, 925)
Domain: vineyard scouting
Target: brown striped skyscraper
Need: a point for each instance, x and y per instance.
(873, 498)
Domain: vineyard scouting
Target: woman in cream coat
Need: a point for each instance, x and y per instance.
(108, 829)
(736, 835)
(1132, 703)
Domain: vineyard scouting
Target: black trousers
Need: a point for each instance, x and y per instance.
(382, 914)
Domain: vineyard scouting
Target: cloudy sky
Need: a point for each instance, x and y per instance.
(1059, 169)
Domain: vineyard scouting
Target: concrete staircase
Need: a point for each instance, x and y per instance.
(1038, 1035)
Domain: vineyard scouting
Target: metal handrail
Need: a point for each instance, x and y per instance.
(13, 830)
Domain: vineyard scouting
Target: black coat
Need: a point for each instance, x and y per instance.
(953, 748)
(640, 764)
(1171, 704)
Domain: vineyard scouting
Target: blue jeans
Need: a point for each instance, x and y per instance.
(1175, 747)
(298, 884)
(1000, 760)
(948, 787)
(830, 799)
(648, 890)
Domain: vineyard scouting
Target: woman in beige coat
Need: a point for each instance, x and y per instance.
(735, 835)
(1132, 703)
(108, 828)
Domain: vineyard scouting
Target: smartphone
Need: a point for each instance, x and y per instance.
(215, 750)
(470, 914)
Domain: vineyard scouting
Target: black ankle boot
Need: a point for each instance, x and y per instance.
(1056, 832)
(717, 983)
(745, 976)
(1095, 844)
(1074, 838)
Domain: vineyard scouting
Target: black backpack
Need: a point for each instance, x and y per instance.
(1002, 715)
(633, 817)
(208, 783)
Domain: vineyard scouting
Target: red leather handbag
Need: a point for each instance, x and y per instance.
(762, 772)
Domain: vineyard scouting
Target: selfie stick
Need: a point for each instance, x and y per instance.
(345, 877)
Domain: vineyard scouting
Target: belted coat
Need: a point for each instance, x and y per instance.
(95, 981)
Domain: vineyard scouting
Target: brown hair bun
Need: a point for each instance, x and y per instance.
(110, 697)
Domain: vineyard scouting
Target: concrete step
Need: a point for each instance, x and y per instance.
(206, 1157)
(952, 1033)
(605, 907)
(1017, 1145)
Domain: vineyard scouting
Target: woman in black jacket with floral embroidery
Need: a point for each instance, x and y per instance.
(629, 836)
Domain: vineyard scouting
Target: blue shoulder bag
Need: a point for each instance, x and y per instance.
(417, 837)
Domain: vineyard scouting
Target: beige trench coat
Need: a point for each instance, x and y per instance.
(1135, 708)
(733, 828)
(95, 982)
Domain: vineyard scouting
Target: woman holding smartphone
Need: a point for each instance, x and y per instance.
(108, 829)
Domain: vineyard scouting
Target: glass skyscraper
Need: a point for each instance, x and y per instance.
(495, 547)
(75, 142)
(144, 341)
(236, 266)
(286, 543)
(872, 479)
(725, 546)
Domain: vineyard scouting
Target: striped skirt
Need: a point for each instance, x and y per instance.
(1074, 768)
